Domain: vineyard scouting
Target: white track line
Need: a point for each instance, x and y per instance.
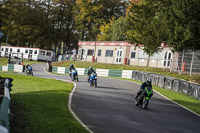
(69, 104)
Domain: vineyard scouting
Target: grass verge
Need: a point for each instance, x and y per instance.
(4, 61)
(186, 101)
(40, 105)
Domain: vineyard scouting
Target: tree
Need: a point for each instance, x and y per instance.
(181, 22)
(115, 30)
(144, 25)
(92, 14)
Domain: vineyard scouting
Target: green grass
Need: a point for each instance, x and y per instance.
(40, 105)
(187, 101)
(78, 64)
(4, 61)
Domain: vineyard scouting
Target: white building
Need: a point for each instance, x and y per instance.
(122, 53)
(36, 54)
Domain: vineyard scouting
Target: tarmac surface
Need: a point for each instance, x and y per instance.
(110, 108)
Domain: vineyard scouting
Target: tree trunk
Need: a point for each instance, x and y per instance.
(148, 60)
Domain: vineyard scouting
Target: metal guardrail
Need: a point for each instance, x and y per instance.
(5, 88)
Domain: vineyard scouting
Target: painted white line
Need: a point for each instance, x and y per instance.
(70, 101)
(169, 99)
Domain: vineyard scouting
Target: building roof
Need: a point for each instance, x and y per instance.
(25, 47)
(104, 43)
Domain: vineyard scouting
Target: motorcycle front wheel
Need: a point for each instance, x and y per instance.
(145, 103)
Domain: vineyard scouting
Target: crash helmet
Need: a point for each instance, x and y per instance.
(148, 81)
(90, 68)
(71, 65)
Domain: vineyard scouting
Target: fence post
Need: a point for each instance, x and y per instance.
(191, 63)
(182, 61)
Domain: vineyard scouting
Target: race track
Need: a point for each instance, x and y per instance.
(110, 108)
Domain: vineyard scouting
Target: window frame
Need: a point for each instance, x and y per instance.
(110, 54)
(99, 52)
(41, 53)
(47, 53)
(134, 54)
(88, 54)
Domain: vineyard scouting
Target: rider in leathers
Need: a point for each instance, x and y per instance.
(147, 83)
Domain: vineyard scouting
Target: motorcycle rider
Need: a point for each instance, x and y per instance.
(71, 67)
(28, 68)
(147, 83)
(90, 70)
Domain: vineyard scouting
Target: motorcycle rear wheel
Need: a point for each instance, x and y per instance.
(136, 102)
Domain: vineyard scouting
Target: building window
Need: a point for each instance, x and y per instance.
(167, 59)
(42, 52)
(35, 52)
(109, 53)
(99, 53)
(48, 53)
(90, 52)
(26, 51)
(2, 49)
(18, 50)
(133, 54)
(6, 49)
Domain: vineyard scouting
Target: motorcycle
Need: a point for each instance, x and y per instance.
(74, 75)
(144, 97)
(29, 73)
(93, 79)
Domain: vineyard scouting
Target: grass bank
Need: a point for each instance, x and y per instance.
(78, 64)
(186, 101)
(4, 61)
(40, 105)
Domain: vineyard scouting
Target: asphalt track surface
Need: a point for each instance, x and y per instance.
(110, 108)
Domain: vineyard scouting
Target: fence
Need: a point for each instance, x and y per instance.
(5, 88)
(12, 67)
(170, 83)
(186, 62)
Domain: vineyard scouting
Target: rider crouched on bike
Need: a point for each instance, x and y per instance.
(90, 71)
(147, 83)
(28, 68)
(71, 67)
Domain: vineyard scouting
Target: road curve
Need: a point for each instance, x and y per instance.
(110, 108)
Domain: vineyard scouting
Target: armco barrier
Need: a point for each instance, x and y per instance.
(166, 82)
(5, 88)
(81, 71)
(12, 67)
(115, 73)
(176, 85)
(134, 74)
(155, 78)
(138, 76)
(126, 74)
(102, 72)
(194, 90)
(184, 87)
(161, 81)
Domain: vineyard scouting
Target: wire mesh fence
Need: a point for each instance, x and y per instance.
(186, 62)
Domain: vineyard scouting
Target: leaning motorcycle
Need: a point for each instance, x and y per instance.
(144, 97)
(74, 75)
(93, 79)
(29, 73)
